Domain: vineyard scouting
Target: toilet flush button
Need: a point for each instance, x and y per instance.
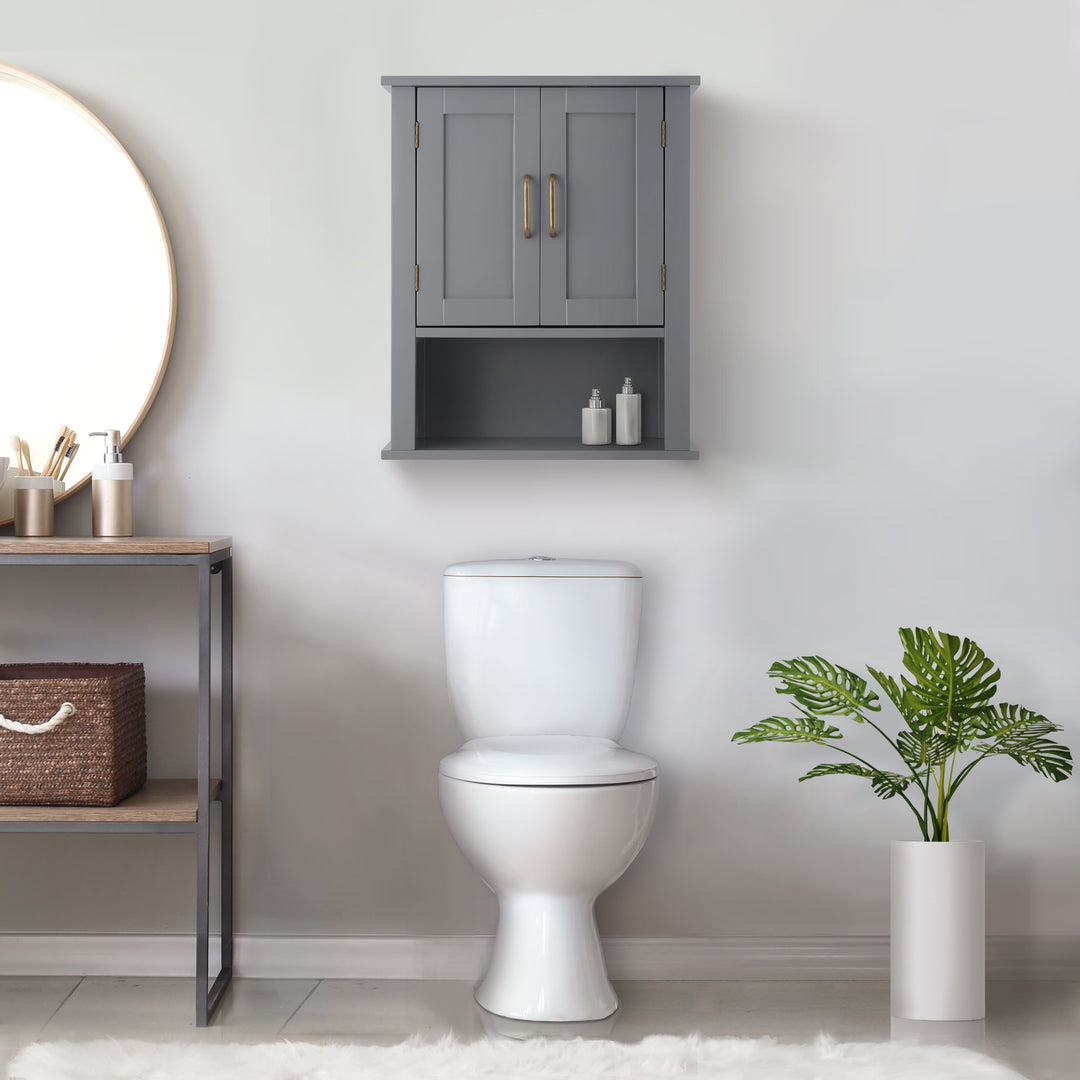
(542, 558)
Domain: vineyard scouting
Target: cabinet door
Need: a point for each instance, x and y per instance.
(476, 265)
(602, 148)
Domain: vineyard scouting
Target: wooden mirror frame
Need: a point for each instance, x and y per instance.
(17, 76)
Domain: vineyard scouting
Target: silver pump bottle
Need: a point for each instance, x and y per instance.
(595, 422)
(628, 415)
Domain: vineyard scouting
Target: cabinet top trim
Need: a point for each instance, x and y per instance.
(692, 81)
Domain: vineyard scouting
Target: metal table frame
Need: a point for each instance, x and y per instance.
(213, 563)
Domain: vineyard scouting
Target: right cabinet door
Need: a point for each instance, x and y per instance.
(602, 225)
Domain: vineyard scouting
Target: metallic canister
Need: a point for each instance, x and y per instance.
(33, 506)
(112, 507)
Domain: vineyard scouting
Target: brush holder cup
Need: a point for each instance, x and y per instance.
(34, 505)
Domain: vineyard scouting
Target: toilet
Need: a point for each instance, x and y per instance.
(541, 799)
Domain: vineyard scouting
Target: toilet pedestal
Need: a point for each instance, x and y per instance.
(547, 963)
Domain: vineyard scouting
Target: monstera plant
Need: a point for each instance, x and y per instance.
(950, 722)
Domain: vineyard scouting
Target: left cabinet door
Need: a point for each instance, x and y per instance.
(477, 249)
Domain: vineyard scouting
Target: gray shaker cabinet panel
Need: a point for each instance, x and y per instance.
(476, 265)
(602, 248)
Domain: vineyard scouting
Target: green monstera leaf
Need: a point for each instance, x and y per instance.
(951, 678)
(908, 707)
(824, 689)
(1021, 734)
(884, 784)
(838, 768)
(924, 749)
(888, 784)
(1003, 721)
(803, 729)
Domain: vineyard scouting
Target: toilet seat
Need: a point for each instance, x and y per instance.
(547, 761)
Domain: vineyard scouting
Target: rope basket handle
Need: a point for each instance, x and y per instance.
(65, 710)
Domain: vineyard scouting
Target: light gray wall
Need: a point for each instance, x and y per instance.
(886, 254)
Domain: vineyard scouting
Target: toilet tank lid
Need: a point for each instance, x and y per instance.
(543, 566)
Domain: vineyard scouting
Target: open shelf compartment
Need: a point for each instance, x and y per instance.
(518, 397)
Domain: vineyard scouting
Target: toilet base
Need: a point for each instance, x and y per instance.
(547, 963)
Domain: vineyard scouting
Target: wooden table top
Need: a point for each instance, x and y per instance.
(119, 545)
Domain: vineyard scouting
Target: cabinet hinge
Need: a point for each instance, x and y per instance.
(663, 134)
(663, 277)
(416, 277)
(416, 136)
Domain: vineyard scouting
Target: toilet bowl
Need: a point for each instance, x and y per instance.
(541, 799)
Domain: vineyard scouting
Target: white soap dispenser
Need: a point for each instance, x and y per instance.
(628, 415)
(595, 422)
(111, 484)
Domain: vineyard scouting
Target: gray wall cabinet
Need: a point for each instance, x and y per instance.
(540, 248)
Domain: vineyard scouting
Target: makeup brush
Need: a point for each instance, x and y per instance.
(69, 457)
(16, 445)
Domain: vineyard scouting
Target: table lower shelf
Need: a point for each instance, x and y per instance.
(160, 806)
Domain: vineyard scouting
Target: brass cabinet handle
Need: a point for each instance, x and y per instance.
(528, 225)
(551, 205)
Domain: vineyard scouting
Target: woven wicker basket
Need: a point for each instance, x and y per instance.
(94, 757)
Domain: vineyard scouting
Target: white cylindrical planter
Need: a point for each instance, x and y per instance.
(938, 938)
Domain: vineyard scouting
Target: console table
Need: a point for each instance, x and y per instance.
(163, 806)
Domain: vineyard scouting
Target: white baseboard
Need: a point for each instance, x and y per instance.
(450, 957)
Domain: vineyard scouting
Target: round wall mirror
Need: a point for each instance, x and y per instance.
(87, 282)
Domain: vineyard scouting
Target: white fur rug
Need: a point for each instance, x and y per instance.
(534, 1059)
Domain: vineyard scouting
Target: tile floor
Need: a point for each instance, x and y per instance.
(1033, 1026)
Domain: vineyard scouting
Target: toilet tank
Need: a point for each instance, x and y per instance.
(541, 646)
